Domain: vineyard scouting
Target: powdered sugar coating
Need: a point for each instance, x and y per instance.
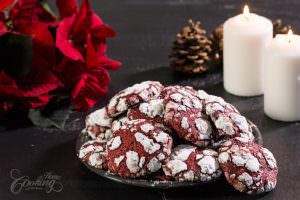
(185, 123)
(203, 96)
(248, 167)
(98, 124)
(208, 165)
(174, 167)
(182, 152)
(119, 159)
(147, 127)
(118, 123)
(132, 161)
(152, 108)
(148, 144)
(114, 143)
(144, 146)
(133, 95)
(154, 165)
(187, 163)
(162, 137)
(94, 153)
(269, 158)
(99, 117)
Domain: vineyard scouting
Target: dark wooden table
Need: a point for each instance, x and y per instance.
(145, 30)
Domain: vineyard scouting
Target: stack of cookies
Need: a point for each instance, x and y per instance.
(177, 133)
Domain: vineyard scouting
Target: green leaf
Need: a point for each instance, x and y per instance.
(47, 8)
(16, 54)
(57, 118)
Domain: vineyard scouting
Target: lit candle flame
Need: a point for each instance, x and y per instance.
(289, 35)
(246, 11)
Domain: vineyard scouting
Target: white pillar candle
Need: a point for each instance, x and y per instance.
(245, 37)
(282, 78)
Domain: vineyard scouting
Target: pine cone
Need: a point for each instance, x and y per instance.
(280, 28)
(191, 49)
(216, 38)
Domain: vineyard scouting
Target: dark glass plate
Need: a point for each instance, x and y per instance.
(148, 182)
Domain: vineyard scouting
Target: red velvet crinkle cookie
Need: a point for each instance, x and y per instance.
(138, 148)
(94, 153)
(231, 125)
(248, 167)
(187, 163)
(214, 104)
(133, 95)
(226, 118)
(183, 112)
(189, 125)
(98, 124)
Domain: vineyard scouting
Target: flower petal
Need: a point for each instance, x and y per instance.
(30, 11)
(38, 83)
(38, 101)
(90, 88)
(3, 29)
(5, 3)
(103, 31)
(73, 69)
(30, 92)
(108, 63)
(83, 21)
(8, 86)
(97, 58)
(63, 42)
(67, 8)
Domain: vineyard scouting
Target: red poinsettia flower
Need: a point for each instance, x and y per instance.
(92, 85)
(86, 83)
(67, 8)
(81, 65)
(81, 40)
(33, 89)
(89, 80)
(32, 11)
(73, 32)
(5, 4)
(30, 91)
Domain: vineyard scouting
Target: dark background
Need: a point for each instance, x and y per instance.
(145, 30)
